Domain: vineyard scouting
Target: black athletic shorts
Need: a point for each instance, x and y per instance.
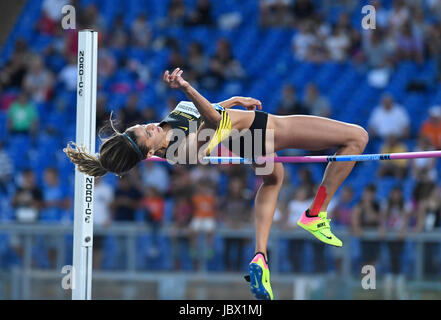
(260, 122)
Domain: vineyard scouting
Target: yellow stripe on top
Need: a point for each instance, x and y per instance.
(222, 131)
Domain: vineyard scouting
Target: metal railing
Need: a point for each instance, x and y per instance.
(19, 282)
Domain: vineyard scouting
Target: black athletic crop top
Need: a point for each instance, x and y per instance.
(181, 117)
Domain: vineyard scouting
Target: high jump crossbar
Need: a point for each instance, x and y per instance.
(318, 159)
(81, 275)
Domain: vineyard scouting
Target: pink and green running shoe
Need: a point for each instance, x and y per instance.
(320, 228)
(259, 278)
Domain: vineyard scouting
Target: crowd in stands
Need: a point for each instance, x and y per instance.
(205, 198)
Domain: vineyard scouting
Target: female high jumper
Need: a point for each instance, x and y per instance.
(122, 151)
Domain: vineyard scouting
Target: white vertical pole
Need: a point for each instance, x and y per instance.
(85, 136)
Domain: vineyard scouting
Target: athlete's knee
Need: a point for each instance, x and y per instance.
(359, 139)
(275, 177)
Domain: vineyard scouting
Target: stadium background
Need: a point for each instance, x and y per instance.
(309, 57)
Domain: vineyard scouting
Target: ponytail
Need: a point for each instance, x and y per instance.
(85, 162)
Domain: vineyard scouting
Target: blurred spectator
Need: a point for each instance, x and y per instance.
(338, 44)
(429, 212)
(286, 192)
(141, 32)
(366, 216)
(344, 22)
(68, 75)
(409, 45)
(395, 218)
(28, 199)
(176, 13)
(182, 215)
(119, 37)
(56, 201)
(198, 62)
(107, 62)
(378, 50)
(274, 12)
(176, 60)
(418, 24)
(39, 81)
(290, 104)
(424, 164)
(204, 218)
(91, 18)
(300, 202)
(140, 71)
(381, 15)
(316, 103)
(399, 15)
(303, 9)
(129, 114)
(317, 52)
(6, 171)
(155, 175)
(27, 203)
(433, 42)
(429, 220)
(153, 205)
(126, 201)
(395, 214)
(305, 180)
(223, 65)
(424, 184)
(22, 116)
(431, 128)
(103, 195)
(181, 183)
(103, 198)
(14, 71)
(434, 6)
(236, 214)
(303, 41)
(206, 174)
(395, 168)
(70, 44)
(389, 118)
(45, 25)
(149, 115)
(201, 15)
(182, 212)
(53, 9)
(342, 210)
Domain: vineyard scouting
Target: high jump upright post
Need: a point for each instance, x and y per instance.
(84, 184)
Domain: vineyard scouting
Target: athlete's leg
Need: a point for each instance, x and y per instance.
(316, 133)
(265, 205)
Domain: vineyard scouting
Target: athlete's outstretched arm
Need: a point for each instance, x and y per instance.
(247, 103)
(175, 81)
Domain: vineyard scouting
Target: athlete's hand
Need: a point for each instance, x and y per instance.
(175, 80)
(249, 103)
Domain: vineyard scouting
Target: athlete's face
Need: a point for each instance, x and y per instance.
(149, 136)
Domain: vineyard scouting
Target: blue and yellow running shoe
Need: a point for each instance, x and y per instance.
(259, 278)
